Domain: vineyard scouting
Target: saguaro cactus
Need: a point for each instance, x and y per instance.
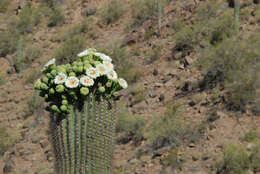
(82, 112)
(159, 4)
(236, 14)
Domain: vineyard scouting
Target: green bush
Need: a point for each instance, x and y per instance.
(70, 48)
(8, 138)
(122, 59)
(142, 10)
(250, 136)
(7, 43)
(234, 63)
(28, 18)
(56, 17)
(131, 127)
(50, 3)
(33, 76)
(112, 11)
(171, 129)
(238, 160)
(4, 5)
(34, 103)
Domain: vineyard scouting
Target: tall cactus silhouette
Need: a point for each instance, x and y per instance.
(236, 14)
(83, 142)
(159, 4)
(82, 110)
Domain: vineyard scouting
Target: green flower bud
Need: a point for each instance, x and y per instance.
(53, 73)
(55, 108)
(72, 74)
(63, 108)
(97, 63)
(75, 68)
(68, 67)
(51, 91)
(64, 102)
(99, 84)
(101, 89)
(87, 66)
(108, 84)
(52, 82)
(74, 63)
(38, 85)
(46, 96)
(60, 88)
(44, 86)
(63, 97)
(45, 80)
(84, 91)
(80, 69)
(80, 63)
(49, 75)
(61, 69)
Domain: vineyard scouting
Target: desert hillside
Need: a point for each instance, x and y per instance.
(192, 105)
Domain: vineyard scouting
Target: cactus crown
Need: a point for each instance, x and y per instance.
(66, 85)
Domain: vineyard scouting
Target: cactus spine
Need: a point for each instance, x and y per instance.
(236, 14)
(84, 140)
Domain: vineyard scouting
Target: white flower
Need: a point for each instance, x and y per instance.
(109, 66)
(92, 72)
(101, 69)
(86, 81)
(112, 75)
(60, 78)
(86, 52)
(72, 82)
(49, 63)
(122, 82)
(103, 56)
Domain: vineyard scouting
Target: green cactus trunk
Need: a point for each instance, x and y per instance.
(159, 3)
(83, 141)
(236, 15)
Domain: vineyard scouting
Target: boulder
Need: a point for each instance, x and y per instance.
(5, 66)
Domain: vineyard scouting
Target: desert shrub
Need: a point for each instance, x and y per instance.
(112, 11)
(123, 59)
(51, 3)
(56, 17)
(234, 63)
(4, 5)
(31, 53)
(28, 18)
(33, 76)
(142, 10)
(8, 139)
(171, 129)
(70, 48)
(34, 102)
(7, 43)
(211, 26)
(250, 136)
(139, 94)
(154, 54)
(130, 126)
(238, 160)
(177, 25)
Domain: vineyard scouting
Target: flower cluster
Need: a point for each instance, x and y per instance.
(65, 85)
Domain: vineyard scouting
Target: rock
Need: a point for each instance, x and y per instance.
(158, 85)
(9, 165)
(152, 94)
(191, 145)
(192, 103)
(155, 72)
(161, 98)
(250, 146)
(89, 11)
(130, 39)
(205, 157)
(5, 66)
(44, 143)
